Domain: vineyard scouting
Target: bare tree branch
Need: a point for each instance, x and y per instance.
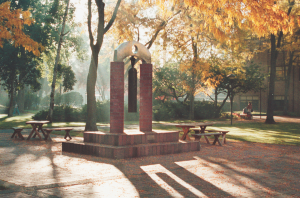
(113, 17)
(89, 23)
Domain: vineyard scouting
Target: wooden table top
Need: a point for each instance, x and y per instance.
(194, 125)
(37, 122)
(59, 129)
(204, 124)
(185, 125)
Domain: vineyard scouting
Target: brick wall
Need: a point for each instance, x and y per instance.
(146, 97)
(116, 97)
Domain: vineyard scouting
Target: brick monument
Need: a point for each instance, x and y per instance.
(119, 143)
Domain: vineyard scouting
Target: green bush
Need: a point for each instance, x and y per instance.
(204, 110)
(61, 114)
(170, 110)
(72, 114)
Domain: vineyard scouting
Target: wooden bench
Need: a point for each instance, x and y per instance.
(49, 130)
(17, 132)
(222, 132)
(216, 135)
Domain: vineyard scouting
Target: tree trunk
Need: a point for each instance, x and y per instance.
(216, 103)
(50, 116)
(287, 83)
(11, 99)
(21, 100)
(274, 52)
(92, 76)
(270, 110)
(192, 104)
(193, 89)
(91, 119)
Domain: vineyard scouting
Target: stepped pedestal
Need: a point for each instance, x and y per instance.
(130, 144)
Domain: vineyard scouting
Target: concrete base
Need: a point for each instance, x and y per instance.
(130, 144)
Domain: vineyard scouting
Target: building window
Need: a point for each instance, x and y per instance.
(279, 103)
(279, 73)
(244, 100)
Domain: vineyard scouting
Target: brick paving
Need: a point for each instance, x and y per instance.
(238, 169)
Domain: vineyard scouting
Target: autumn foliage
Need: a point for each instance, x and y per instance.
(11, 28)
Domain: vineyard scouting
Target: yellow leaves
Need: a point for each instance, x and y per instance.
(265, 16)
(11, 28)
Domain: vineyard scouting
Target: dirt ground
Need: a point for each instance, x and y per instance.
(237, 169)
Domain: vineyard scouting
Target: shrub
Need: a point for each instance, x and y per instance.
(204, 110)
(69, 113)
(61, 114)
(173, 110)
(170, 110)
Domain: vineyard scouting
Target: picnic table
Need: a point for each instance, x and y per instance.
(185, 128)
(202, 130)
(37, 125)
(198, 132)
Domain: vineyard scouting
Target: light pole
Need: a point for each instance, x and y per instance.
(231, 78)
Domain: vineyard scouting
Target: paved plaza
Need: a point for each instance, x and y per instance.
(238, 169)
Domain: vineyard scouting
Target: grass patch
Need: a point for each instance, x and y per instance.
(279, 133)
(15, 121)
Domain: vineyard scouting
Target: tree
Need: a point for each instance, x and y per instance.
(62, 33)
(19, 62)
(95, 47)
(168, 83)
(263, 18)
(12, 25)
(247, 78)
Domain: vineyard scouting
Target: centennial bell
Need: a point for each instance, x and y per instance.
(132, 87)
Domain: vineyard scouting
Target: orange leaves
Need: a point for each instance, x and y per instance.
(11, 28)
(264, 16)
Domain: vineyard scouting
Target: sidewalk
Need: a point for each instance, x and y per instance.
(238, 169)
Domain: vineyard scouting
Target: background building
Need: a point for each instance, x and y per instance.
(259, 99)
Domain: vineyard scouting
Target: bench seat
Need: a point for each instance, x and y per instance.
(216, 135)
(223, 134)
(17, 133)
(67, 129)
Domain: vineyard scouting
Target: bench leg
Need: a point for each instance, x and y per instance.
(21, 136)
(15, 132)
(223, 138)
(197, 138)
(68, 134)
(185, 135)
(207, 140)
(47, 135)
(217, 140)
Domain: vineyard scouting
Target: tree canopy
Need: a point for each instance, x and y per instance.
(12, 26)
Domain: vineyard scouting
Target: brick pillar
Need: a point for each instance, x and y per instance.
(146, 97)
(116, 97)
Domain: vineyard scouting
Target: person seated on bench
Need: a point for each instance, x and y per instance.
(245, 111)
(249, 108)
